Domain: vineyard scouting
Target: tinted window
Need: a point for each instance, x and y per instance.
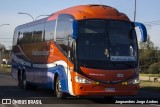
(93, 26)
(15, 37)
(64, 30)
(27, 35)
(122, 41)
(92, 40)
(114, 39)
(20, 37)
(38, 33)
(49, 30)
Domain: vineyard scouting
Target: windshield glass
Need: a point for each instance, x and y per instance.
(107, 40)
(122, 41)
(92, 40)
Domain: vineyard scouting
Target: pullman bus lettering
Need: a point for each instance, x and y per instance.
(80, 51)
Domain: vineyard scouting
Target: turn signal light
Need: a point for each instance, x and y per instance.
(124, 83)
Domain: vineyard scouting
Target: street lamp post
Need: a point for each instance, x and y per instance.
(32, 16)
(27, 14)
(135, 6)
(40, 16)
(4, 25)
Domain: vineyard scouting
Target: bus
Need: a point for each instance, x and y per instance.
(85, 50)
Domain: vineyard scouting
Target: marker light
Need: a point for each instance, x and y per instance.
(96, 83)
(124, 83)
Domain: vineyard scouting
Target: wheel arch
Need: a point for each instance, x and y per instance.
(63, 78)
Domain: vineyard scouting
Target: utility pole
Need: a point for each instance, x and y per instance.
(135, 7)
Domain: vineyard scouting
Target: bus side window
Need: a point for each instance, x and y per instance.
(27, 37)
(63, 34)
(20, 38)
(37, 36)
(15, 38)
(38, 33)
(49, 31)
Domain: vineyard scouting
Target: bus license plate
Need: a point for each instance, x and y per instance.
(110, 89)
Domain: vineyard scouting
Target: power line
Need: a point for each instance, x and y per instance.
(6, 41)
(156, 24)
(6, 38)
(153, 21)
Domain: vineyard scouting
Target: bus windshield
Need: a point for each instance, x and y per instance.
(107, 40)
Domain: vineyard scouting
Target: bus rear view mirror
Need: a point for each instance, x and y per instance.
(75, 29)
(143, 31)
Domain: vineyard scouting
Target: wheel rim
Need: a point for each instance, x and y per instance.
(58, 88)
(24, 81)
(19, 80)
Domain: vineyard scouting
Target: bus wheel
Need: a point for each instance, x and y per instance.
(19, 79)
(58, 89)
(26, 85)
(24, 82)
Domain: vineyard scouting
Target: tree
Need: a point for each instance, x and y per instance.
(149, 56)
(154, 68)
(147, 45)
(2, 50)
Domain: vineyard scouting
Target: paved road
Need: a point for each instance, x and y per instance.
(9, 90)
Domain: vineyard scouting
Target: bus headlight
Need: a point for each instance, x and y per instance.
(82, 80)
(134, 81)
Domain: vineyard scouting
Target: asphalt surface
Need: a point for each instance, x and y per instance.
(10, 90)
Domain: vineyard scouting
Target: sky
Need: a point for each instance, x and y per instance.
(147, 11)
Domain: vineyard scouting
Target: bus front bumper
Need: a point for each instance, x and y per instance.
(106, 90)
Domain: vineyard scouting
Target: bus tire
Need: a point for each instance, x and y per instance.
(19, 79)
(25, 84)
(58, 90)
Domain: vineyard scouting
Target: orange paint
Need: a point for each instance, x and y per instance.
(91, 11)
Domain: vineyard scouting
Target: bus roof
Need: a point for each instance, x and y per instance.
(91, 11)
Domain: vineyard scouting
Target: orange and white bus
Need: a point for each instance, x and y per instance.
(86, 50)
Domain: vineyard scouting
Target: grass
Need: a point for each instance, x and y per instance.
(5, 69)
(150, 75)
(150, 86)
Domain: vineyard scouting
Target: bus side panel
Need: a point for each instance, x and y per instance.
(41, 64)
(14, 69)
